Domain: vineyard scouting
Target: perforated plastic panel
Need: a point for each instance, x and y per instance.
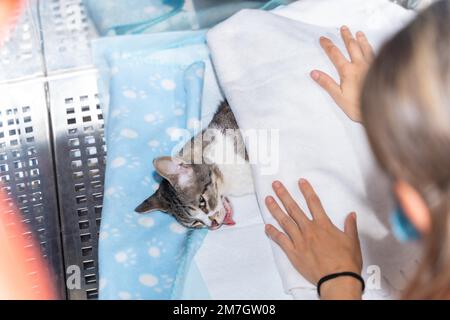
(26, 167)
(80, 161)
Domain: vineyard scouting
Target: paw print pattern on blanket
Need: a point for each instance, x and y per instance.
(146, 256)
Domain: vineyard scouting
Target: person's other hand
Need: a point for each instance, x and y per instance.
(347, 93)
(316, 247)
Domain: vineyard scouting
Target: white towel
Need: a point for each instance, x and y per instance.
(263, 61)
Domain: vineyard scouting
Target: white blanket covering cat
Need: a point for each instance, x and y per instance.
(263, 60)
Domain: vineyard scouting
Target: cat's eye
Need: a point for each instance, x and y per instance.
(202, 203)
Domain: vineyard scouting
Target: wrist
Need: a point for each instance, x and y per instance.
(341, 288)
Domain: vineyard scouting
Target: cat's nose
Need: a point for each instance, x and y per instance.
(213, 217)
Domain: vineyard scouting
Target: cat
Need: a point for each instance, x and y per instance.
(196, 192)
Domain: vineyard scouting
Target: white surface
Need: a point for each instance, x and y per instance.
(237, 262)
(263, 62)
(233, 262)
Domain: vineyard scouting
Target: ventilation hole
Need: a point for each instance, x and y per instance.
(20, 187)
(74, 142)
(89, 129)
(87, 119)
(17, 164)
(79, 187)
(28, 129)
(82, 212)
(70, 110)
(3, 157)
(77, 164)
(33, 162)
(97, 222)
(89, 279)
(26, 109)
(88, 264)
(86, 251)
(89, 140)
(27, 119)
(34, 172)
(3, 168)
(98, 210)
(37, 196)
(96, 184)
(71, 121)
(72, 131)
(16, 154)
(92, 293)
(39, 219)
(85, 237)
(35, 184)
(84, 224)
(92, 162)
(30, 139)
(19, 175)
(75, 153)
(32, 151)
(78, 175)
(22, 199)
(80, 199)
(84, 98)
(85, 108)
(97, 196)
(91, 151)
(94, 173)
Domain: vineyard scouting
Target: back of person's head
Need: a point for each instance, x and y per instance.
(406, 111)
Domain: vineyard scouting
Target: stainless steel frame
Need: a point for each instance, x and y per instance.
(52, 150)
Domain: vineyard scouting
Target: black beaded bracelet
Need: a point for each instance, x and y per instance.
(340, 274)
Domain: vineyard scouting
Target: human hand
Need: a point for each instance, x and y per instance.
(347, 93)
(316, 247)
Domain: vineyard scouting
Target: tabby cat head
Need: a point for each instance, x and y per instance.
(192, 193)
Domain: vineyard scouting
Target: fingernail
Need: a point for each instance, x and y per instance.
(354, 215)
(360, 34)
(276, 184)
(322, 38)
(344, 27)
(269, 199)
(315, 75)
(302, 181)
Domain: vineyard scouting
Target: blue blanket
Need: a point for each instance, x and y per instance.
(155, 86)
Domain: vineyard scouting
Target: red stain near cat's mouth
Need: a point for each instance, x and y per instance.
(228, 220)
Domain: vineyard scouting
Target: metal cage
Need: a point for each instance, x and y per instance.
(52, 148)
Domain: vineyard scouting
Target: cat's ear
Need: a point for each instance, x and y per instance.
(174, 170)
(152, 203)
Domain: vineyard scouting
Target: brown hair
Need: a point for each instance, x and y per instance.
(406, 112)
